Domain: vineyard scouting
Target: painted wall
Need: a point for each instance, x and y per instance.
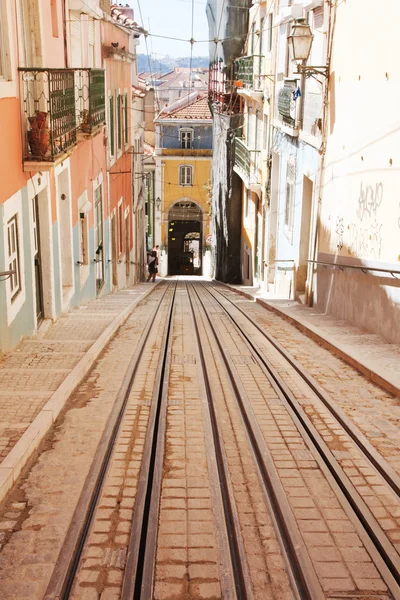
(11, 175)
(360, 215)
(202, 136)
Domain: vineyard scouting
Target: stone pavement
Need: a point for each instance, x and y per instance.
(372, 355)
(37, 377)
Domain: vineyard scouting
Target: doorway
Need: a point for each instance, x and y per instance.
(113, 250)
(185, 239)
(37, 260)
(304, 249)
(98, 239)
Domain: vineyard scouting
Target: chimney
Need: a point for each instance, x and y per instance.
(126, 10)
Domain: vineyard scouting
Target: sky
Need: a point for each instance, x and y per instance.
(172, 18)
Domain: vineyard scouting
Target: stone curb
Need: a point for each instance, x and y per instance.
(312, 332)
(19, 455)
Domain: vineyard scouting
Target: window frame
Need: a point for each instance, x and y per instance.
(111, 130)
(14, 258)
(125, 120)
(290, 185)
(188, 143)
(186, 180)
(119, 122)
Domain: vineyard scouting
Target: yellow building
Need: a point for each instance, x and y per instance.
(183, 171)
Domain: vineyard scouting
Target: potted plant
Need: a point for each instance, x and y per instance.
(39, 135)
(85, 126)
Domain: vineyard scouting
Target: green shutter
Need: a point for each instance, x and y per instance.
(126, 118)
(119, 123)
(111, 128)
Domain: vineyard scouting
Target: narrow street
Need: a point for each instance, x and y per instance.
(212, 451)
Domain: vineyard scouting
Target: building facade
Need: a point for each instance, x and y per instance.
(183, 156)
(57, 78)
(319, 207)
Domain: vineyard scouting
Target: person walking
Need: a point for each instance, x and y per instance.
(152, 264)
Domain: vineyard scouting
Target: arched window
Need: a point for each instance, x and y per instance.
(185, 175)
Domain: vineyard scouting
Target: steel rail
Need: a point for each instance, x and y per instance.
(139, 566)
(302, 576)
(236, 549)
(67, 564)
(386, 557)
(380, 464)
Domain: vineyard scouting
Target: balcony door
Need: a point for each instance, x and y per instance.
(37, 260)
(98, 239)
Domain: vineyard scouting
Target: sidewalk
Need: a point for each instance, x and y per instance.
(38, 376)
(372, 355)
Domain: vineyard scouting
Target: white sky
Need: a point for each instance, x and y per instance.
(172, 18)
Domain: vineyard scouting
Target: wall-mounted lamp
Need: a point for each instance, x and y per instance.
(301, 40)
(158, 203)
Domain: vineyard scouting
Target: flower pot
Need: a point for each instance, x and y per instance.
(39, 142)
(39, 135)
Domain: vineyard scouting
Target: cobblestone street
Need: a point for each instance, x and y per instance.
(243, 456)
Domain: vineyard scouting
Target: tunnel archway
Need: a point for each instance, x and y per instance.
(185, 238)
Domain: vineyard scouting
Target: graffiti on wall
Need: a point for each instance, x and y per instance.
(339, 232)
(369, 200)
(366, 234)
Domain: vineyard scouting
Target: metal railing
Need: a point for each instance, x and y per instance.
(247, 162)
(90, 99)
(363, 269)
(248, 71)
(56, 103)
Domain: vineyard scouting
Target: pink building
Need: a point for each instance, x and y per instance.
(65, 216)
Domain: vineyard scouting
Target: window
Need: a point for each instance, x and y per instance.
(289, 198)
(247, 204)
(253, 31)
(120, 228)
(111, 125)
(270, 21)
(54, 17)
(126, 132)
(119, 122)
(186, 138)
(185, 175)
(249, 128)
(13, 257)
(3, 29)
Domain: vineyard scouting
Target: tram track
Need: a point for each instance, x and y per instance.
(208, 308)
(374, 537)
(64, 573)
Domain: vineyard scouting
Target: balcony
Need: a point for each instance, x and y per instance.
(248, 75)
(57, 105)
(247, 165)
(222, 92)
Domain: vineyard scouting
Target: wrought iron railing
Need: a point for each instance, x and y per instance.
(49, 107)
(56, 103)
(247, 162)
(90, 99)
(248, 71)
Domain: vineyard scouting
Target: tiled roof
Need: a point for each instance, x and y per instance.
(117, 13)
(196, 108)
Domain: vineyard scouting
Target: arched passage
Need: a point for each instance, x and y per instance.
(185, 238)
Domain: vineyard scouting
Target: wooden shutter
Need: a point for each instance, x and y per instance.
(76, 38)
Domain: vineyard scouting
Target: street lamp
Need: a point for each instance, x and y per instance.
(301, 40)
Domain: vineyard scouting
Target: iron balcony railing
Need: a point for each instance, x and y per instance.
(90, 99)
(247, 162)
(248, 72)
(56, 104)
